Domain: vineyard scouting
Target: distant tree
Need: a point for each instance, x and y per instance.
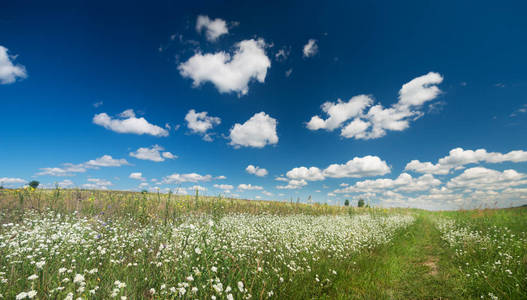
(144, 192)
(34, 184)
(361, 202)
(346, 202)
(1, 187)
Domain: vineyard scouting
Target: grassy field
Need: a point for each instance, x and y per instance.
(70, 244)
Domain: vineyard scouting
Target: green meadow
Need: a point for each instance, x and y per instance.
(82, 244)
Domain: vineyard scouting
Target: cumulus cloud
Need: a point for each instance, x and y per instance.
(65, 183)
(10, 72)
(200, 123)
(249, 186)
(458, 157)
(225, 187)
(154, 153)
(405, 182)
(340, 112)
(255, 170)
(68, 169)
(97, 184)
(128, 123)
(486, 179)
(137, 176)
(229, 73)
(358, 167)
(303, 173)
(105, 161)
(11, 181)
(213, 28)
(257, 132)
(292, 184)
(355, 168)
(356, 123)
(190, 177)
(311, 48)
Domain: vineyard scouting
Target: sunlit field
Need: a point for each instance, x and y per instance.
(71, 244)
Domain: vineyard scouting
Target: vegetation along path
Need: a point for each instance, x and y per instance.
(415, 265)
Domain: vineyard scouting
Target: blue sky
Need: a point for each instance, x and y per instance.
(385, 101)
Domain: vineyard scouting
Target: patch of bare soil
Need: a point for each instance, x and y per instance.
(431, 263)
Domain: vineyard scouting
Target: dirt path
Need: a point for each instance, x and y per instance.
(416, 265)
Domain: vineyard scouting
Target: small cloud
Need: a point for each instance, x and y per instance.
(154, 153)
(500, 85)
(213, 28)
(201, 123)
(255, 170)
(137, 176)
(311, 48)
(288, 72)
(282, 54)
(97, 104)
(128, 123)
(519, 111)
(9, 72)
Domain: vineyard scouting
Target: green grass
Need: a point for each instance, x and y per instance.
(415, 265)
(306, 251)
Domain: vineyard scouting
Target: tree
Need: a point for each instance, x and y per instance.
(361, 202)
(34, 184)
(346, 202)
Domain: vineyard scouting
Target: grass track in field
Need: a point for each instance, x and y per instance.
(416, 265)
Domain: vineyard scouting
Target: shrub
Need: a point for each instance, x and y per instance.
(34, 184)
(360, 203)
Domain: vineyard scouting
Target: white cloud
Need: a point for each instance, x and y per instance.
(378, 120)
(340, 112)
(355, 168)
(137, 176)
(293, 184)
(200, 123)
(258, 131)
(97, 104)
(128, 123)
(97, 184)
(358, 167)
(268, 194)
(213, 28)
(405, 182)
(458, 157)
(105, 161)
(55, 172)
(196, 188)
(486, 179)
(7, 180)
(68, 168)
(154, 153)
(420, 90)
(190, 177)
(282, 54)
(65, 183)
(226, 187)
(311, 48)
(229, 74)
(311, 174)
(288, 72)
(255, 170)
(10, 72)
(244, 186)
